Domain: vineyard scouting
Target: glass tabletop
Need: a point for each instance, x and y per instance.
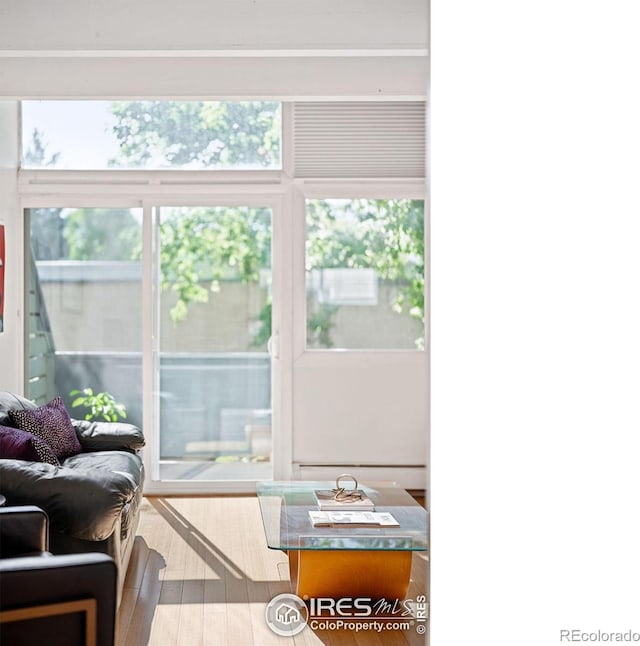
(285, 510)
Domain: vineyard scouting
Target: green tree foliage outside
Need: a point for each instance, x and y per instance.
(36, 154)
(202, 246)
(384, 235)
(197, 134)
(102, 234)
(47, 241)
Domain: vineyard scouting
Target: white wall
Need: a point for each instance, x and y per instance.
(11, 338)
(212, 49)
(214, 78)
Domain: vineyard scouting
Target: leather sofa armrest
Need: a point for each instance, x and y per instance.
(31, 582)
(108, 436)
(23, 530)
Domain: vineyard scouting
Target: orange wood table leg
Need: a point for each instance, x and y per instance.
(350, 573)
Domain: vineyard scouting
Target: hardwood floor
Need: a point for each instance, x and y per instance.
(201, 575)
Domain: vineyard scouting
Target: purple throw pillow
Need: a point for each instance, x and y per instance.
(20, 445)
(52, 424)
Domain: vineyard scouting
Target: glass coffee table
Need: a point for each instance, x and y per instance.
(343, 561)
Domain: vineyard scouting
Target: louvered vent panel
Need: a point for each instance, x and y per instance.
(385, 139)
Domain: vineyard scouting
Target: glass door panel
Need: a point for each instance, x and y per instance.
(84, 309)
(214, 324)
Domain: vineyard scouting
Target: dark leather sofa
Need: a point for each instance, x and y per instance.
(92, 499)
(67, 600)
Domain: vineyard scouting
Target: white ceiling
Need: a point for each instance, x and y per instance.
(192, 26)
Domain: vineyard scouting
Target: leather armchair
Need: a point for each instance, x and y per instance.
(63, 600)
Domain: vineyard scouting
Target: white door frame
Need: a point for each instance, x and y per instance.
(280, 359)
(281, 381)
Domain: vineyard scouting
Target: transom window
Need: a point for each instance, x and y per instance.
(152, 135)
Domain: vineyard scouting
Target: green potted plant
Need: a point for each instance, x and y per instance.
(101, 406)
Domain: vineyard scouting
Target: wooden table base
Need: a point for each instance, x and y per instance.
(337, 574)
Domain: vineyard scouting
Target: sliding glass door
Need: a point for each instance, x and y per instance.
(213, 325)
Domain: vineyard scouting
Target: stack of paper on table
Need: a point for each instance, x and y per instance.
(351, 518)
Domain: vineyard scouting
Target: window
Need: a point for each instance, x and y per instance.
(365, 274)
(215, 321)
(188, 135)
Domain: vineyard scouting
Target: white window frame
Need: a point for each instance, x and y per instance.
(305, 190)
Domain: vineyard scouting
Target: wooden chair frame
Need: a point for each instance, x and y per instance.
(88, 606)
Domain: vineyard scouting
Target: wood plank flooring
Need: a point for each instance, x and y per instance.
(201, 575)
